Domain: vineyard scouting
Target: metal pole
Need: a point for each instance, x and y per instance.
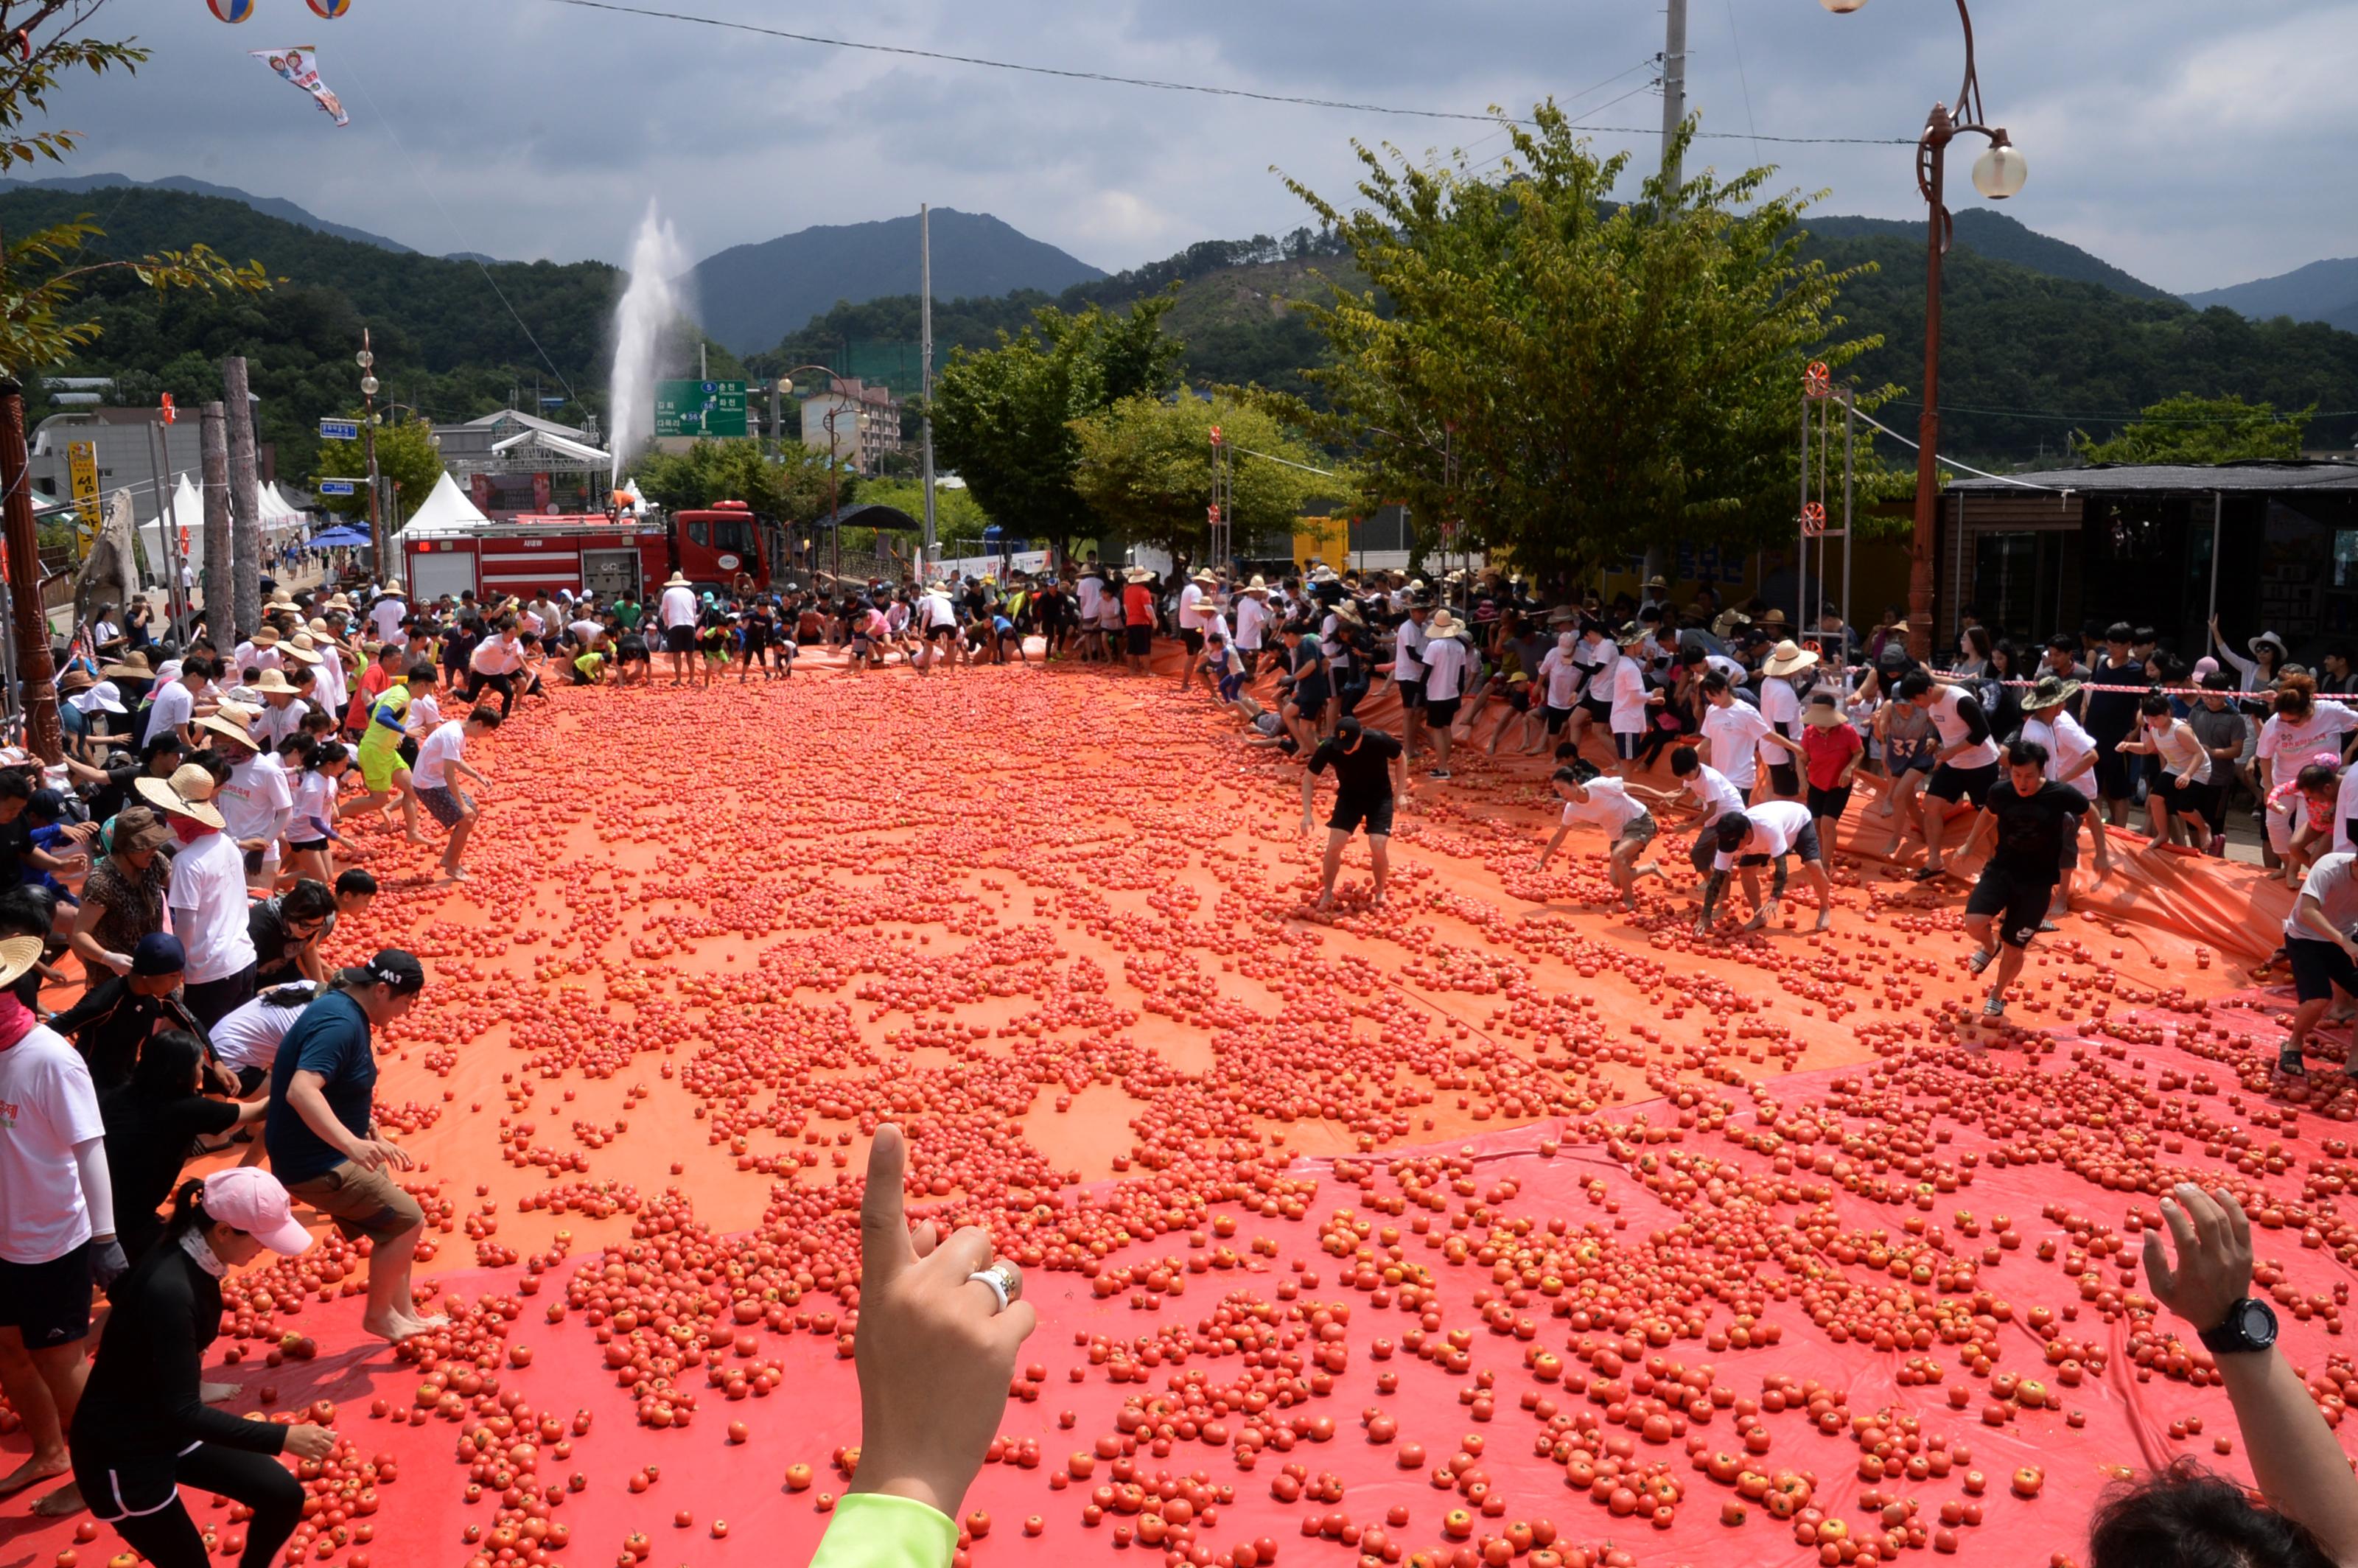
(1801, 561)
(43, 735)
(2218, 516)
(925, 362)
(1850, 540)
(1674, 92)
(1923, 550)
(138, 551)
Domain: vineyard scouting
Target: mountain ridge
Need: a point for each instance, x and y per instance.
(269, 206)
(2323, 291)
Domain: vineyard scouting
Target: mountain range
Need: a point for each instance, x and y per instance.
(2323, 291)
(275, 206)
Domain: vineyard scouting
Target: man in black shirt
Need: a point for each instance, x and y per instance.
(2037, 823)
(1370, 771)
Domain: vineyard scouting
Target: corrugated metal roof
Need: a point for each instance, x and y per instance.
(2151, 479)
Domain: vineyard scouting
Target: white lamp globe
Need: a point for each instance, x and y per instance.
(1999, 172)
(1841, 7)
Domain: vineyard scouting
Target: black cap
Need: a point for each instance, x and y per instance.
(159, 953)
(401, 970)
(1347, 725)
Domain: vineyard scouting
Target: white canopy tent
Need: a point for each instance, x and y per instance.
(187, 510)
(446, 506)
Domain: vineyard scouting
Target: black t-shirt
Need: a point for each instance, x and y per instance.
(112, 796)
(274, 945)
(2113, 714)
(2032, 830)
(15, 843)
(147, 1141)
(1363, 772)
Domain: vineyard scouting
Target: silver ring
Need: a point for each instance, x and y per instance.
(1005, 1284)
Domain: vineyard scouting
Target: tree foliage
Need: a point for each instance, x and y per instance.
(959, 517)
(788, 482)
(43, 273)
(1146, 465)
(1003, 417)
(407, 462)
(2190, 430)
(1573, 381)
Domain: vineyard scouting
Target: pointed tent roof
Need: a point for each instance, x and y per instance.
(446, 506)
(187, 510)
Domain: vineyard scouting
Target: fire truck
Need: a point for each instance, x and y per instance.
(714, 548)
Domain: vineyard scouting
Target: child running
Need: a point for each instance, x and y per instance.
(1610, 804)
(439, 755)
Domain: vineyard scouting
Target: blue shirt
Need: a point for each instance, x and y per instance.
(330, 1039)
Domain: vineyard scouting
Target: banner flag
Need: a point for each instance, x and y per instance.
(300, 64)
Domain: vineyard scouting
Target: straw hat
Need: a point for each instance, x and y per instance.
(1823, 712)
(1441, 624)
(280, 596)
(1204, 575)
(1657, 580)
(1323, 574)
(1137, 574)
(188, 793)
(340, 602)
(1788, 658)
(2051, 691)
(275, 681)
(131, 666)
(1258, 585)
(17, 957)
(267, 637)
(238, 712)
(76, 680)
(228, 728)
(1773, 618)
(393, 585)
(675, 580)
(299, 649)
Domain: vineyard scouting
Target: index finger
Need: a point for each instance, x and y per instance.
(884, 1246)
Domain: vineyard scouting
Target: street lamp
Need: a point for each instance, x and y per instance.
(1998, 173)
(366, 358)
(834, 467)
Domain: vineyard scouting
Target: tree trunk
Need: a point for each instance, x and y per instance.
(246, 501)
(35, 669)
(215, 578)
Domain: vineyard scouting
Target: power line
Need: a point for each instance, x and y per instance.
(2136, 415)
(1157, 84)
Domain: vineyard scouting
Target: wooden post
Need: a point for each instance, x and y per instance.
(43, 736)
(216, 575)
(245, 503)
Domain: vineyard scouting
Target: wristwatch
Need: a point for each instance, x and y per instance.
(2250, 1326)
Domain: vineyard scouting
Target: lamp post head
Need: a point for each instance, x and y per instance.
(1999, 172)
(369, 386)
(1841, 7)
(365, 359)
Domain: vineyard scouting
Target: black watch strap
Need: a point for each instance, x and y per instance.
(2250, 1326)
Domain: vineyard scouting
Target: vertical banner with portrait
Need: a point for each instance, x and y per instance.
(300, 64)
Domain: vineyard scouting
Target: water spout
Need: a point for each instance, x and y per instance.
(649, 307)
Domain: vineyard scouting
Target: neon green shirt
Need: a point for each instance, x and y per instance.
(871, 1529)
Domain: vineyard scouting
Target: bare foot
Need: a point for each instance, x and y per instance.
(39, 1467)
(417, 838)
(453, 874)
(1326, 901)
(62, 1503)
(1762, 916)
(218, 1393)
(1825, 919)
(393, 1329)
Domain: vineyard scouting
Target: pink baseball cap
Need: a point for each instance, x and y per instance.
(253, 1201)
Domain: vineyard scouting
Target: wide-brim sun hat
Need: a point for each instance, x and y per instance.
(188, 793)
(1788, 658)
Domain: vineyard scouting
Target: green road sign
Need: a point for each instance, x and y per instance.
(715, 409)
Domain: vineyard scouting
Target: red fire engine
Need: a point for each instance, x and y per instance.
(715, 548)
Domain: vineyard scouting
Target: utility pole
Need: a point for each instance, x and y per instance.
(1674, 90)
(385, 571)
(216, 575)
(35, 669)
(245, 502)
(925, 363)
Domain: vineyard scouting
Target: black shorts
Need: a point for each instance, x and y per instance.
(1310, 697)
(679, 639)
(1626, 746)
(2317, 968)
(1411, 694)
(938, 633)
(250, 1078)
(1374, 812)
(1557, 718)
(1785, 780)
(2194, 800)
(1519, 697)
(48, 1302)
(1138, 641)
(633, 651)
(1828, 802)
(2018, 903)
(307, 846)
(1192, 638)
(1953, 784)
(1600, 709)
(1441, 711)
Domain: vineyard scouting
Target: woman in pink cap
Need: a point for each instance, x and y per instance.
(143, 1429)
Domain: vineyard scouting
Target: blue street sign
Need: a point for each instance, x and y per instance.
(339, 430)
(335, 487)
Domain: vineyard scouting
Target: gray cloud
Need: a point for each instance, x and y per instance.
(2193, 144)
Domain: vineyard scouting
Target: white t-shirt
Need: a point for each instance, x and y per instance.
(1609, 805)
(385, 616)
(1407, 651)
(677, 606)
(496, 656)
(1711, 790)
(1629, 698)
(1737, 732)
(252, 656)
(1781, 705)
(1777, 826)
(327, 682)
(1950, 725)
(2333, 882)
(207, 897)
(585, 631)
(2321, 730)
(1445, 660)
(425, 713)
(1191, 608)
(249, 1037)
(315, 808)
(174, 706)
(445, 745)
(1092, 593)
(2066, 743)
(1559, 667)
(1253, 617)
(253, 798)
(274, 723)
(48, 1104)
(939, 610)
(2346, 804)
(2182, 752)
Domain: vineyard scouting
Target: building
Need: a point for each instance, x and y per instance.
(847, 397)
(128, 455)
(2262, 546)
(511, 463)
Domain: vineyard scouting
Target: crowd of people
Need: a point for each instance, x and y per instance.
(206, 838)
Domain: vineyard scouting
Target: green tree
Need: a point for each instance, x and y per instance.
(2191, 429)
(42, 273)
(1145, 469)
(959, 517)
(407, 463)
(1003, 416)
(788, 482)
(1570, 380)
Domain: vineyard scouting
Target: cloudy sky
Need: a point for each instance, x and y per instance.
(2193, 143)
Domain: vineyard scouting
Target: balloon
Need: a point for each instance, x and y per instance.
(330, 9)
(232, 10)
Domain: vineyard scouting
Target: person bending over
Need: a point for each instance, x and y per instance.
(1749, 839)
